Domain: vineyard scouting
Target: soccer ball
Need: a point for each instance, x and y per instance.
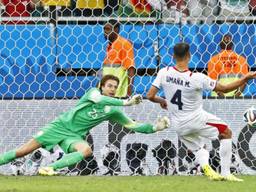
(250, 116)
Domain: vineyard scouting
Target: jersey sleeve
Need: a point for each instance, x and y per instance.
(206, 82)
(95, 96)
(121, 118)
(158, 81)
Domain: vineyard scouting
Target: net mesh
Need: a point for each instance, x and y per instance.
(53, 51)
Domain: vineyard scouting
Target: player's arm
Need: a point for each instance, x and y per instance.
(122, 119)
(96, 97)
(240, 90)
(225, 88)
(151, 95)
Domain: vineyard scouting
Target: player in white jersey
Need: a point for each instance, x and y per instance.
(183, 91)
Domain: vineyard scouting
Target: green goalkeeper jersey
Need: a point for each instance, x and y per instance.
(91, 110)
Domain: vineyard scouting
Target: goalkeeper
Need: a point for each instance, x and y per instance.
(68, 130)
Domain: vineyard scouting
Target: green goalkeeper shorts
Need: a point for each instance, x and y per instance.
(56, 134)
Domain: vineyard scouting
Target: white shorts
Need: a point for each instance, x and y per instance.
(194, 132)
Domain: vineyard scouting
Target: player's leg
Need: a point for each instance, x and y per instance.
(76, 150)
(196, 144)
(48, 137)
(23, 150)
(226, 154)
(225, 136)
(189, 134)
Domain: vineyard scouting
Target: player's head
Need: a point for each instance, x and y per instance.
(226, 42)
(109, 85)
(181, 52)
(111, 30)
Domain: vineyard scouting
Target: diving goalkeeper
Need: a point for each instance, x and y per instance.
(69, 129)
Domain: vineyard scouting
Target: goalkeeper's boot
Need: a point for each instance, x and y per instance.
(232, 177)
(211, 174)
(162, 123)
(47, 171)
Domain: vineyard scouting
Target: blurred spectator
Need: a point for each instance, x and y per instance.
(119, 60)
(234, 8)
(58, 8)
(61, 3)
(39, 10)
(208, 9)
(17, 8)
(111, 7)
(172, 9)
(136, 8)
(227, 66)
(88, 8)
(252, 7)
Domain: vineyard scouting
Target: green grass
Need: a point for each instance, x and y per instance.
(123, 184)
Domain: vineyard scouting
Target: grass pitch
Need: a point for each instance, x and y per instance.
(123, 184)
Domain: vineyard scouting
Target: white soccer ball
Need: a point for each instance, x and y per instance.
(250, 116)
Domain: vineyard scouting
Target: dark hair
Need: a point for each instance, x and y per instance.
(105, 78)
(114, 23)
(226, 42)
(181, 50)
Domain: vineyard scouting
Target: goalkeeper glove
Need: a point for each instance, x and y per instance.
(134, 100)
(162, 123)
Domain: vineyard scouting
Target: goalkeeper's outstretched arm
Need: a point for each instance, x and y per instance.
(98, 98)
(122, 119)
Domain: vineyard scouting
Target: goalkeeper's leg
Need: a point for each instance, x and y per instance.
(23, 150)
(78, 151)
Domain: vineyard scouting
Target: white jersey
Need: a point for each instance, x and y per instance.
(183, 91)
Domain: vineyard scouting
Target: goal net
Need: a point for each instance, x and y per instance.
(52, 52)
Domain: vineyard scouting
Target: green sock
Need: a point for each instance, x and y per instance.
(67, 160)
(7, 157)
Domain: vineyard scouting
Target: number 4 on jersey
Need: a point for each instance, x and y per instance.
(176, 99)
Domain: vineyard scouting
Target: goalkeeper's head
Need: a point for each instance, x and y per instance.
(109, 85)
(226, 42)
